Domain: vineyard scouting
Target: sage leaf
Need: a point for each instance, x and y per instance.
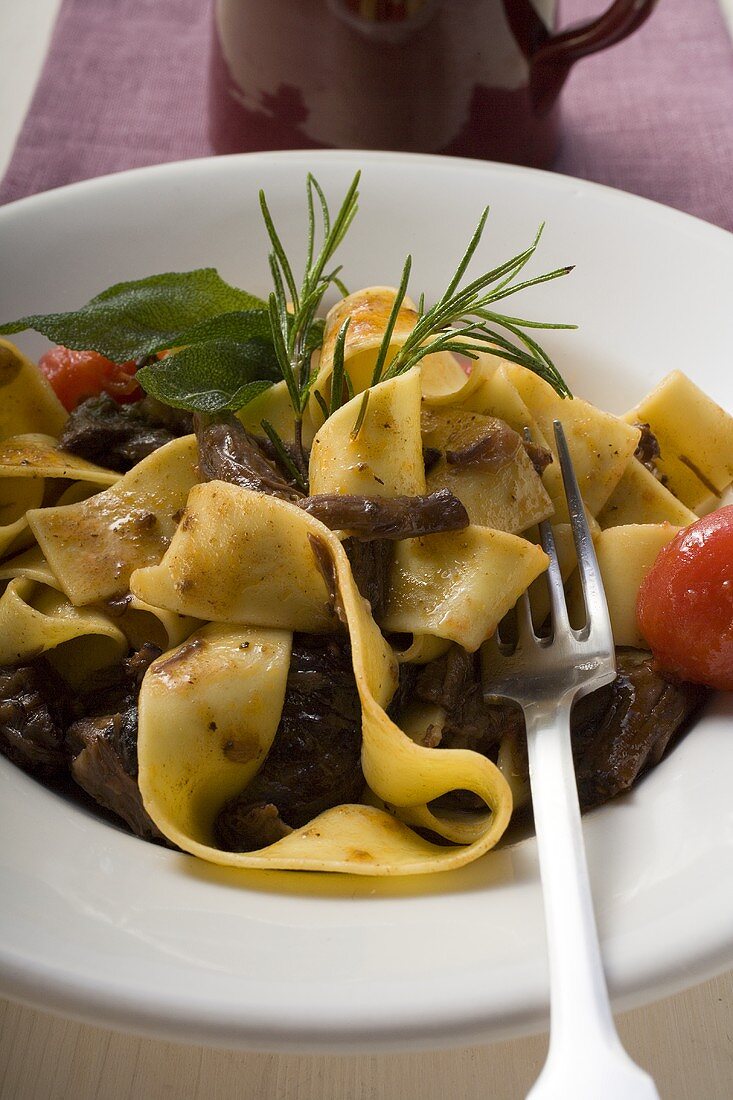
(134, 319)
(213, 376)
(239, 326)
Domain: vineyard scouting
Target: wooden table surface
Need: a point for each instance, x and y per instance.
(685, 1041)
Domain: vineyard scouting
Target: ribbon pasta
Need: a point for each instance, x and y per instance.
(27, 402)
(94, 546)
(35, 618)
(385, 458)
(17, 497)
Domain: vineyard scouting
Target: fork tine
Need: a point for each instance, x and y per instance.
(598, 622)
(556, 589)
(525, 627)
(494, 670)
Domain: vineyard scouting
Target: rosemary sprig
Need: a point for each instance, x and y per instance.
(293, 321)
(283, 456)
(463, 321)
(229, 346)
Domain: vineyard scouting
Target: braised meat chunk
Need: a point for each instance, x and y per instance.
(492, 447)
(624, 729)
(119, 436)
(102, 743)
(227, 452)
(31, 718)
(104, 754)
(246, 827)
(115, 689)
(100, 752)
(496, 445)
(453, 682)
(539, 456)
(314, 762)
(370, 564)
(388, 517)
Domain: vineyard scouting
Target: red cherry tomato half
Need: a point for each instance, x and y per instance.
(685, 604)
(76, 375)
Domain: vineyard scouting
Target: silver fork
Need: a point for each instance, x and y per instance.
(545, 676)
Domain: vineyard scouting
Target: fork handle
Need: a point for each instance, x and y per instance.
(585, 1059)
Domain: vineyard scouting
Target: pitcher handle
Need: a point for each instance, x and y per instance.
(553, 59)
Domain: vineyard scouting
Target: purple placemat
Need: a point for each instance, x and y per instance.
(125, 84)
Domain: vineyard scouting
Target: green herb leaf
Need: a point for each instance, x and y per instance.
(134, 319)
(337, 377)
(239, 326)
(219, 375)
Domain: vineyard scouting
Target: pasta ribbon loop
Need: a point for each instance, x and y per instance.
(262, 555)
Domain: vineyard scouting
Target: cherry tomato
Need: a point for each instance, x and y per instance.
(76, 375)
(685, 604)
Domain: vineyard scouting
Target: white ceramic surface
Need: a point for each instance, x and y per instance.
(97, 924)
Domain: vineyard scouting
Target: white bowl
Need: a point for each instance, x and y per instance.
(99, 925)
